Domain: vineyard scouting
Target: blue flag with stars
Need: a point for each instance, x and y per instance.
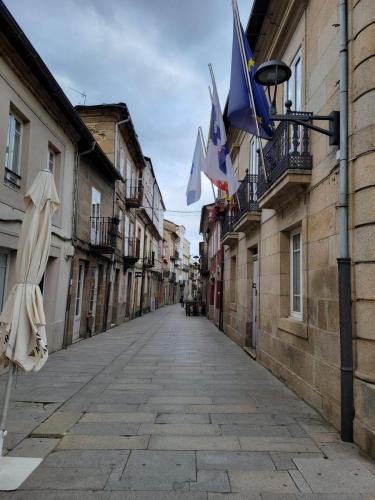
(240, 110)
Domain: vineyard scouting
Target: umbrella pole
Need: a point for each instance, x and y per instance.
(3, 432)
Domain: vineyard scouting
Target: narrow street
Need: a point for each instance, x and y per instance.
(167, 407)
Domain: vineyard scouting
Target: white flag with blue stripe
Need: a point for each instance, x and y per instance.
(193, 191)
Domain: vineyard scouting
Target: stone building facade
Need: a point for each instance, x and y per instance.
(95, 234)
(113, 129)
(39, 129)
(171, 290)
(281, 240)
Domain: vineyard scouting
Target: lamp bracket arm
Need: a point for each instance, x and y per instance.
(298, 121)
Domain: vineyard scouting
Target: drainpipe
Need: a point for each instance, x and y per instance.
(344, 261)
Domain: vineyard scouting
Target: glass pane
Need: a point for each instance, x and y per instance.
(298, 84)
(296, 242)
(296, 276)
(297, 303)
(17, 125)
(16, 153)
(3, 260)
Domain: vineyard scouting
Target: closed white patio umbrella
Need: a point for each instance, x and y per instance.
(24, 342)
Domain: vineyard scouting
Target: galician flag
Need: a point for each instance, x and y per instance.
(218, 165)
(245, 93)
(193, 191)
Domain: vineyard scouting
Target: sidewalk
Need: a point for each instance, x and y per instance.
(167, 407)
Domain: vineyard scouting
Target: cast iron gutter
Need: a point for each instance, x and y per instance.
(344, 261)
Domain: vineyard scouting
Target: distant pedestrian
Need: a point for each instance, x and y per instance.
(182, 301)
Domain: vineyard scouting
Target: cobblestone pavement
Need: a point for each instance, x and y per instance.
(167, 407)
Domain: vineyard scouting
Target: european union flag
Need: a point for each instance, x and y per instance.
(240, 110)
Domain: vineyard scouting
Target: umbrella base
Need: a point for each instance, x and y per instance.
(15, 470)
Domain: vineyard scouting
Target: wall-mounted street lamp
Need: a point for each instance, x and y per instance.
(273, 73)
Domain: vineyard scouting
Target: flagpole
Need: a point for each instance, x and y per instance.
(247, 76)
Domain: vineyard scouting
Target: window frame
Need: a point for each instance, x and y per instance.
(296, 314)
(292, 92)
(53, 153)
(5, 252)
(12, 177)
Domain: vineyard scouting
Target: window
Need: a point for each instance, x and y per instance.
(253, 166)
(3, 277)
(294, 84)
(95, 216)
(120, 218)
(51, 160)
(122, 161)
(233, 279)
(295, 274)
(13, 151)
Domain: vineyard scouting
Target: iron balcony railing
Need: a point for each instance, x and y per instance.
(103, 232)
(203, 264)
(226, 222)
(149, 260)
(174, 255)
(246, 196)
(134, 193)
(166, 274)
(132, 249)
(172, 278)
(288, 149)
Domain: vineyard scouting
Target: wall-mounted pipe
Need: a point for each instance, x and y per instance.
(344, 261)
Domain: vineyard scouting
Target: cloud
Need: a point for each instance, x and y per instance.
(151, 54)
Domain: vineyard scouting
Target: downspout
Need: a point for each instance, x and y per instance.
(77, 157)
(344, 261)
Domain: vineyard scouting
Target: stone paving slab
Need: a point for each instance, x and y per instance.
(56, 425)
(299, 445)
(182, 418)
(336, 476)
(211, 481)
(180, 429)
(262, 482)
(87, 458)
(69, 478)
(224, 443)
(157, 470)
(105, 429)
(156, 495)
(34, 447)
(125, 418)
(238, 460)
(76, 442)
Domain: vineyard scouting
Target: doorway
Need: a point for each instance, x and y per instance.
(78, 301)
(93, 297)
(254, 308)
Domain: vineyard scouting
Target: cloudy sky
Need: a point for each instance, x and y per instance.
(151, 54)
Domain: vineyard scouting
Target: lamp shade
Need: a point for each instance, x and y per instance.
(272, 73)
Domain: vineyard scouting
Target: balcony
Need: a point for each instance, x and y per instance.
(288, 165)
(103, 233)
(149, 260)
(228, 235)
(174, 255)
(247, 213)
(134, 193)
(131, 251)
(172, 278)
(166, 274)
(204, 271)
